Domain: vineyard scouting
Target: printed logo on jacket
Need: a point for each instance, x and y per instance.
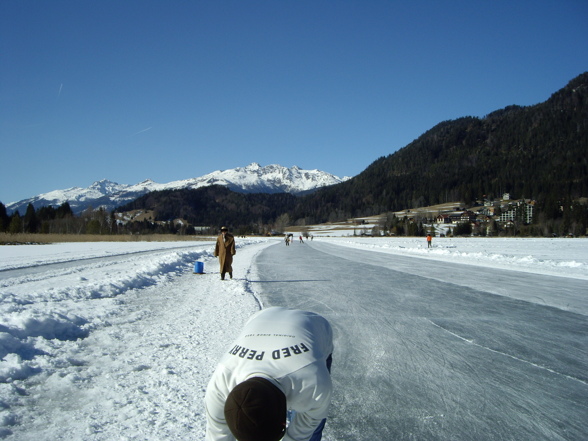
(283, 351)
(276, 354)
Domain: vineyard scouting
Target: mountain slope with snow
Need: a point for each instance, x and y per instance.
(253, 178)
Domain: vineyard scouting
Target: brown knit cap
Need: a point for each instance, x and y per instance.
(255, 410)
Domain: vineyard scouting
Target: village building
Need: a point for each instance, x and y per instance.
(521, 211)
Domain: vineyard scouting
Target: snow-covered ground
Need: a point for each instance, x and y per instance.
(102, 341)
(556, 257)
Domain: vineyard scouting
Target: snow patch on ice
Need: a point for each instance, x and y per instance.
(557, 257)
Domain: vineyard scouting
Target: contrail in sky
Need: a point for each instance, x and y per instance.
(141, 131)
(59, 93)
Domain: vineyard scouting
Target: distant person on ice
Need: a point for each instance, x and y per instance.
(225, 250)
(429, 241)
(280, 362)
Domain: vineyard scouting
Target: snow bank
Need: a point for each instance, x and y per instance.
(109, 341)
(123, 346)
(17, 256)
(557, 257)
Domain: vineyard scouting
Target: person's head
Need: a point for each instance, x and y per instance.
(255, 410)
(224, 230)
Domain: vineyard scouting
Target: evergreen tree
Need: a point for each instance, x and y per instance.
(46, 213)
(4, 218)
(15, 226)
(30, 223)
(64, 210)
(463, 229)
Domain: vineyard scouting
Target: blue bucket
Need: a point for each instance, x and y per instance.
(199, 268)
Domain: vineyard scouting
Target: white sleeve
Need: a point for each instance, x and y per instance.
(312, 390)
(216, 395)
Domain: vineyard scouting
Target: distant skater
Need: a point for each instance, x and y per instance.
(301, 241)
(287, 240)
(429, 241)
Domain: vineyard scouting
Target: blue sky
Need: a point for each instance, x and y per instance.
(134, 90)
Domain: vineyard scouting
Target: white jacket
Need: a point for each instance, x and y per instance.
(290, 349)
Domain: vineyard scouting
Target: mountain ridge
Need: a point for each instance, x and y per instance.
(252, 178)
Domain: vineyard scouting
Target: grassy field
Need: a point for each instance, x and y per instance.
(17, 239)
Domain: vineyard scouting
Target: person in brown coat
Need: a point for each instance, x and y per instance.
(225, 250)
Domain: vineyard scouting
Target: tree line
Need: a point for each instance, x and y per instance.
(44, 220)
(203, 211)
(62, 220)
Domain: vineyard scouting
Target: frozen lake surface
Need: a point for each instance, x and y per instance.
(473, 339)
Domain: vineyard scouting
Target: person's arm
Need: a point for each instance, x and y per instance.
(313, 389)
(216, 395)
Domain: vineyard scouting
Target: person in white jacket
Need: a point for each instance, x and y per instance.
(280, 363)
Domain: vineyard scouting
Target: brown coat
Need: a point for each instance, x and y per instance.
(225, 250)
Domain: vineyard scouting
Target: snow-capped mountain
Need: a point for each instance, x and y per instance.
(251, 179)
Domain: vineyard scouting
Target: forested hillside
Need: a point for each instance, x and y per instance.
(215, 206)
(538, 152)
